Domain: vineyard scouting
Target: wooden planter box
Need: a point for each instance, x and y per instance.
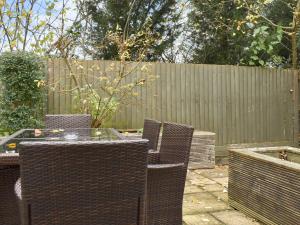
(264, 186)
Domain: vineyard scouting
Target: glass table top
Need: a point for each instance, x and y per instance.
(10, 144)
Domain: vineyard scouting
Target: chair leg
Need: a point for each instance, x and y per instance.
(25, 213)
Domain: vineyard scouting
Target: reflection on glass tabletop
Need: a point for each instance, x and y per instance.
(10, 145)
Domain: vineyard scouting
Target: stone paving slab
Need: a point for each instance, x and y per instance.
(213, 187)
(222, 196)
(202, 165)
(221, 180)
(205, 219)
(206, 199)
(234, 218)
(202, 203)
(192, 189)
(217, 172)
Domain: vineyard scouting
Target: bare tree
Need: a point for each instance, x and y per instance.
(113, 88)
(30, 24)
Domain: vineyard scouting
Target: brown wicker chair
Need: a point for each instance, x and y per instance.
(9, 173)
(68, 121)
(151, 132)
(166, 175)
(9, 210)
(80, 183)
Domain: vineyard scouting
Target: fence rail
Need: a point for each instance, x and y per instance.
(239, 104)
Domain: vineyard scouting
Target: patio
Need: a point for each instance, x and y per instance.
(149, 112)
(206, 200)
(206, 190)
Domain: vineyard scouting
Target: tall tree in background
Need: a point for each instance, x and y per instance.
(211, 37)
(162, 17)
(281, 13)
(247, 32)
(275, 32)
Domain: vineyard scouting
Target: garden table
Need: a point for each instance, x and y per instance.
(9, 160)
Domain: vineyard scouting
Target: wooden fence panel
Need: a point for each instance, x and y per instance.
(240, 104)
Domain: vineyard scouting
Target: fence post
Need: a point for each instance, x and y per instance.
(296, 106)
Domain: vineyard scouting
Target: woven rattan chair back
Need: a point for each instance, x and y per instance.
(176, 143)
(68, 121)
(80, 183)
(151, 132)
(166, 176)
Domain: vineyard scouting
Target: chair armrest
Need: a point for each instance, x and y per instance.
(153, 157)
(166, 174)
(9, 159)
(166, 166)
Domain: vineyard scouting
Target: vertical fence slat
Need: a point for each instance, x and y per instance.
(197, 96)
(223, 109)
(233, 97)
(178, 92)
(50, 78)
(228, 99)
(210, 94)
(192, 96)
(240, 109)
(57, 86)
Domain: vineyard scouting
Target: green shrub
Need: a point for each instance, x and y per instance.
(22, 100)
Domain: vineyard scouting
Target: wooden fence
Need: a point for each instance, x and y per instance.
(239, 104)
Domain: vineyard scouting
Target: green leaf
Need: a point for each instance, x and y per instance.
(51, 7)
(261, 62)
(254, 57)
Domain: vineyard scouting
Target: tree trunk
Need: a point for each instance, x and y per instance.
(96, 123)
(296, 20)
(294, 50)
